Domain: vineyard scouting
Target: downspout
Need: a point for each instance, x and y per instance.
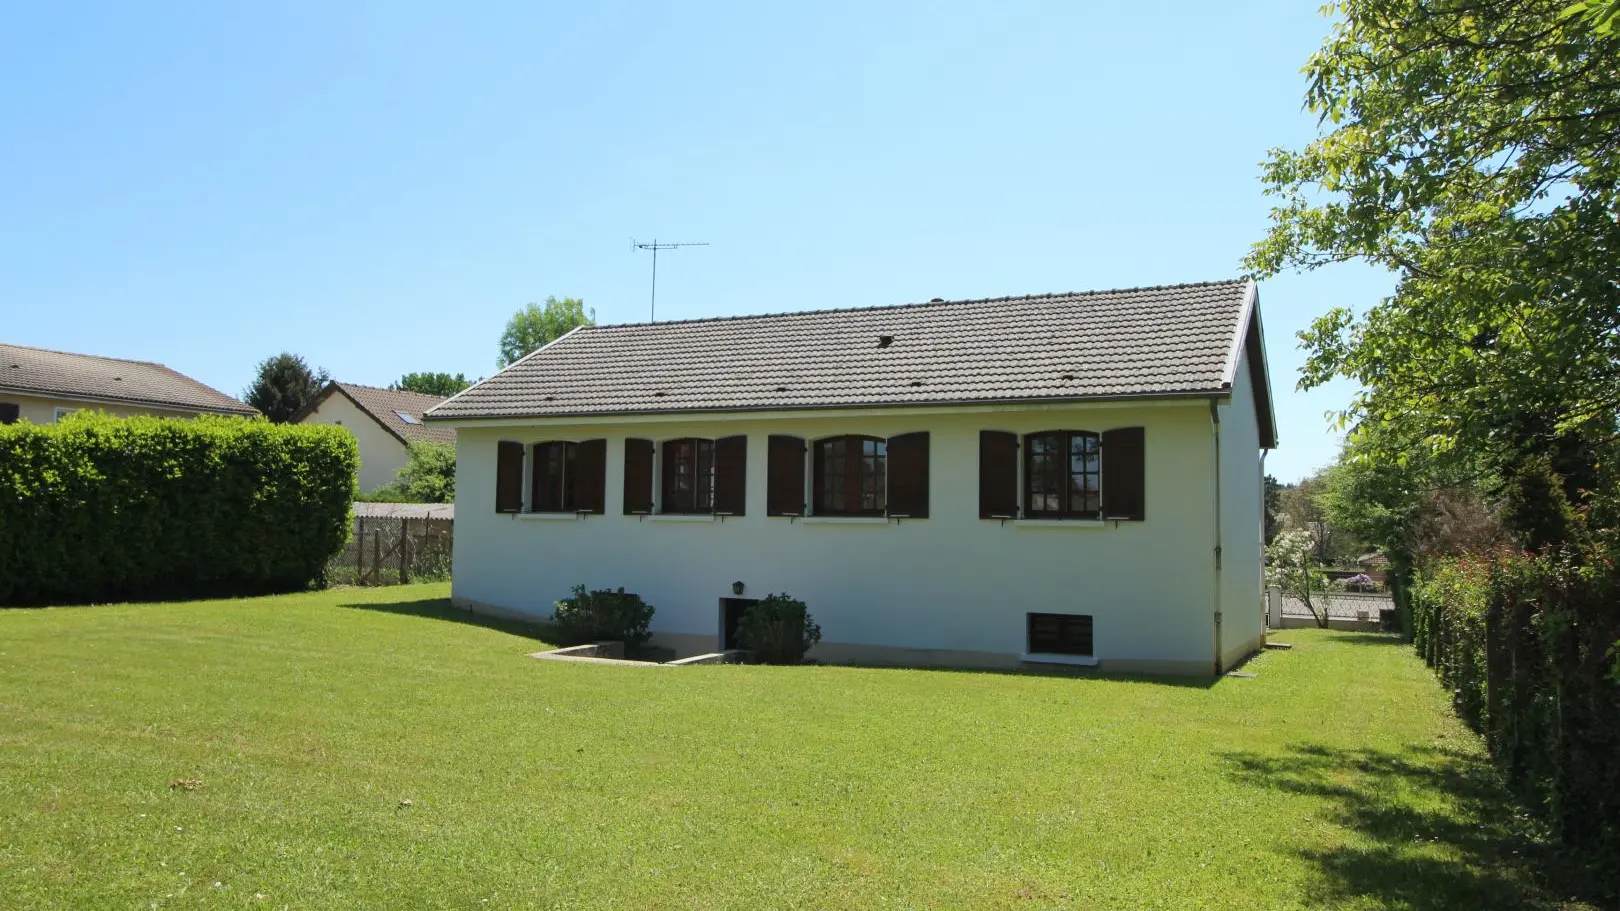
(1215, 424)
(1265, 623)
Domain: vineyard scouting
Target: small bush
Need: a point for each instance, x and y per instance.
(778, 630)
(603, 616)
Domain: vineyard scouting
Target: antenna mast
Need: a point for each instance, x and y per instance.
(655, 246)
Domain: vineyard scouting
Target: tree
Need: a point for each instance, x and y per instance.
(1472, 147)
(284, 385)
(428, 476)
(1291, 566)
(442, 385)
(536, 326)
(1273, 508)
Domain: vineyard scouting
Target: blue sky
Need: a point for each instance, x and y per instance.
(377, 186)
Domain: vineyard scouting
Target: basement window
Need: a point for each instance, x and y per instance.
(1060, 634)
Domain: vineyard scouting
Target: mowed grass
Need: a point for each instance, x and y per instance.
(366, 749)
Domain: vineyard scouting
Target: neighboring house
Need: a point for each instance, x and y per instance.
(1375, 565)
(1070, 478)
(40, 386)
(384, 422)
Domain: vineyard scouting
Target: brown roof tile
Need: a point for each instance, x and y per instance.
(38, 371)
(1163, 341)
(386, 407)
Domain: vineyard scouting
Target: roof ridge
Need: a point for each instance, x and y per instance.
(1053, 295)
(97, 357)
(425, 395)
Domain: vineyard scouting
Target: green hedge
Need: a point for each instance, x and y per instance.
(1530, 646)
(98, 508)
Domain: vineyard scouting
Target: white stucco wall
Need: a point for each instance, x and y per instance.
(42, 410)
(1242, 523)
(382, 455)
(949, 582)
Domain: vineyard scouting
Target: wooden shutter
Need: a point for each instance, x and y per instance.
(9, 412)
(1124, 476)
(998, 474)
(784, 485)
(590, 482)
(638, 476)
(508, 476)
(908, 475)
(731, 475)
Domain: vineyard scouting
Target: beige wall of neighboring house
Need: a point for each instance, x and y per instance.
(44, 410)
(382, 455)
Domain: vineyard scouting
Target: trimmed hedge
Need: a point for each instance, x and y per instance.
(98, 508)
(778, 630)
(1530, 646)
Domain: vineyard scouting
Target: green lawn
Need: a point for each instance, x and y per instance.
(363, 749)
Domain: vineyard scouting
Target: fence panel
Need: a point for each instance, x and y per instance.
(393, 550)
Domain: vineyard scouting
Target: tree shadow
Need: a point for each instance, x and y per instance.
(1440, 830)
(1372, 639)
(442, 609)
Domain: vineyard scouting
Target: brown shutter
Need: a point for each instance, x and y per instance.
(998, 474)
(908, 475)
(9, 412)
(590, 487)
(1124, 476)
(784, 486)
(638, 476)
(731, 475)
(508, 476)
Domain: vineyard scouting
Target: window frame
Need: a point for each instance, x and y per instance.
(59, 412)
(701, 458)
(854, 484)
(1065, 452)
(565, 487)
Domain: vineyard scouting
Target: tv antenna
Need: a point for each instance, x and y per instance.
(655, 246)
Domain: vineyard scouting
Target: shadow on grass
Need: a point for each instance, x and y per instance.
(1440, 830)
(442, 609)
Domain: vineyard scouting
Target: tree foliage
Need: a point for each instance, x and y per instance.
(442, 385)
(1291, 566)
(537, 325)
(1471, 147)
(283, 385)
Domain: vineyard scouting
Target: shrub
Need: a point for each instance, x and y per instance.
(98, 508)
(778, 630)
(603, 616)
(1523, 641)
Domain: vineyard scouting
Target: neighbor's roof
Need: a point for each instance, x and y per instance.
(387, 407)
(110, 380)
(1166, 341)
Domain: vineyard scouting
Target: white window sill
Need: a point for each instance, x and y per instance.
(1061, 523)
(678, 517)
(1045, 658)
(845, 520)
(547, 516)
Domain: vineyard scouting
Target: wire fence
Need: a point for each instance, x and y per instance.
(394, 550)
(1351, 609)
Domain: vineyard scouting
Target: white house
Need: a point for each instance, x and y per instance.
(42, 386)
(384, 423)
(1069, 478)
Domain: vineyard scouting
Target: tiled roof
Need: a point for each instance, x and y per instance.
(385, 407)
(1164, 341)
(37, 371)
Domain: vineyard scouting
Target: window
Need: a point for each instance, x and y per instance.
(10, 412)
(58, 414)
(688, 476)
(552, 487)
(1060, 634)
(1062, 475)
(407, 418)
(851, 476)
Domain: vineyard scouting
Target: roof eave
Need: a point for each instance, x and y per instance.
(1195, 395)
(245, 410)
